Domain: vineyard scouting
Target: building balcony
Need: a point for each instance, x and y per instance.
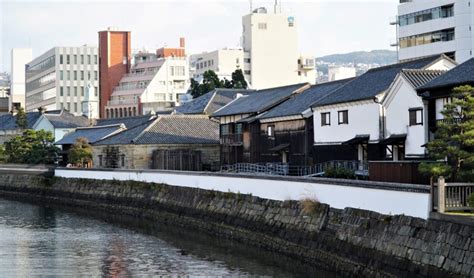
(232, 139)
(115, 102)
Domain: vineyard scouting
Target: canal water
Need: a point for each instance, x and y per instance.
(44, 241)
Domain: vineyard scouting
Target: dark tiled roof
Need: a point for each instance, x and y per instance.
(181, 129)
(92, 134)
(8, 121)
(460, 75)
(129, 122)
(210, 102)
(418, 77)
(298, 103)
(66, 120)
(125, 137)
(258, 101)
(373, 82)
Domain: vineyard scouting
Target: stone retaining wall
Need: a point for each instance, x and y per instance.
(349, 241)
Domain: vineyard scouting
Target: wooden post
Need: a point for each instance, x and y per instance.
(441, 195)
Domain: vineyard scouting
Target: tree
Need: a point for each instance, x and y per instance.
(32, 147)
(453, 145)
(81, 152)
(211, 81)
(21, 120)
(238, 80)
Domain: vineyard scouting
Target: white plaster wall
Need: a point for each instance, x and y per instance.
(337, 196)
(44, 124)
(363, 119)
(397, 117)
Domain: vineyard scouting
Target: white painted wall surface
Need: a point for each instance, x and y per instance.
(400, 98)
(363, 119)
(337, 196)
(19, 58)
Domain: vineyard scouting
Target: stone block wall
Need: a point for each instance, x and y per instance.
(349, 241)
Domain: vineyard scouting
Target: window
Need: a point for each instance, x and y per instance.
(75, 74)
(122, 160)
(224, 129)
(416, 116)
(75, 59)
(95, 59)
(68, 91)
(237, 60)
(68, 75)
(247, 72)
(75, 91)
(61, 75)
(61, 91)
(427, 38)
(271, 131)
(82, 91)
(262, 26)
(82, 59)
(100, 157)
(96, 91)
(325, 118)
(82, 75)
(343, 117)
(238, 129)
(96, 75)
(67, 59)
(246, 60)
(75, 107)
(68, 107)
(61, 59)
(88, 59)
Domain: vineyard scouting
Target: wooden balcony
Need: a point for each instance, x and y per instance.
(232, 139)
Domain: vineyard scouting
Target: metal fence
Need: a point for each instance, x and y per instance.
(284, 169)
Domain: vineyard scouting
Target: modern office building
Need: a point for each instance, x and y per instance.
(429, 27)
(156, 82)
(223, 62)
(19, 58)
(58, 78)
(115, 54)
(4, 85)
(271, 54)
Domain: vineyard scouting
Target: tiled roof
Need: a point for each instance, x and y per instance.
(418, 77)
(181, 129)
(460, 75)
(92, 134)
(129, 122)
(298, 103)
(373, 82)
(126, 136)
(66, 120)
(8, 121)
(258, 101)
(211, 102)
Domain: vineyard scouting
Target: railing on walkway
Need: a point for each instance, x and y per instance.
(284, 169)
(452, 196)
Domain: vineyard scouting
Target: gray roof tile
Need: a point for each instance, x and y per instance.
(259, 101)
(126, 136)
(373, 82)
(129, 122)
(463, 74)
(92, 134)
(298, 103)
(418, 77)
(8, 121)
(66, 120)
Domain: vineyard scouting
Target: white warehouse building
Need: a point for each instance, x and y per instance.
(222, 61)
(430, 27)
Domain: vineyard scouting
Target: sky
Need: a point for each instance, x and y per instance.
(324, 26)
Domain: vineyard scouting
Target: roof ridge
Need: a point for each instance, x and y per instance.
(407, 62)
(155, 121)
(99, 126)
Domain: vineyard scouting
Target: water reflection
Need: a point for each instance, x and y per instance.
(43, 241)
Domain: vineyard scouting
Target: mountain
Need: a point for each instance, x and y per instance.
(381, 57)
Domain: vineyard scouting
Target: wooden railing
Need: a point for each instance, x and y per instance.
(231, 139)
(452, 196)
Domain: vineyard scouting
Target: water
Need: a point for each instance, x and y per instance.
(36, 240)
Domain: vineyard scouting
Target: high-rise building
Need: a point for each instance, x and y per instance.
(271, 55)
(429, 27)
(4, 85)
(223, 62)
(115, 55)
(57, 79)
(156, 82)
(19, 58)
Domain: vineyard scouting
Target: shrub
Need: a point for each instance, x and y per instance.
(470, 200)
(339, 173)
(309, 205)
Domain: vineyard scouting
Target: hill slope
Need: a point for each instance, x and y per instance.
(381, 57)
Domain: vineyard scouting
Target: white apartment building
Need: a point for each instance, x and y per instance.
(19, 58)
(338, 73)
(271, 55)
(222, 61)
(153, 84)
(58, 79)
(4, 85)
(429, 27)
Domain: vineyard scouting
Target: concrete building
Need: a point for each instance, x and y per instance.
(271, 55)
(156, 82)
(114, 62)
(4, 92)
(429, 27)
(339, 73)
(223, 62)
(58, 78)
(19, 58)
